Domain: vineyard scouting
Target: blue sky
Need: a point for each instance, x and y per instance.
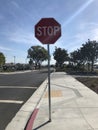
(78, 18)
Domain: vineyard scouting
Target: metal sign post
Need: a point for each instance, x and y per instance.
(48, 31)
(49, 87)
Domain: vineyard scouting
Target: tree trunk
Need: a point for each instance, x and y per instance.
(92, 66)
(88, 66)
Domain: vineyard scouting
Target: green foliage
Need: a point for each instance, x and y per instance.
(76, 56)
(90, 50)
(37, 54)
(60, 55)
(2, 59)
(87, 54)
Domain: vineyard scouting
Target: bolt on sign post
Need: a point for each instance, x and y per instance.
(48, 31)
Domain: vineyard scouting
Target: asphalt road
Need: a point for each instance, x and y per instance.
(15, 89)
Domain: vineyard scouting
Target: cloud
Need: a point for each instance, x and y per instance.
(19, 9)
(94, 34)
(88, 31)
(1, 17)
(5, 48)
(84, 32)
(15, 4)
(80, 10)
(20, 36)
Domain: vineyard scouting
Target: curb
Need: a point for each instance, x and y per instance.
(31, 120)
(22, 117)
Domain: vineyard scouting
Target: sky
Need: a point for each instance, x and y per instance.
(78, 19)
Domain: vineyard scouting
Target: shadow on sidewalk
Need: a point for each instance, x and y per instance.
(41, 125)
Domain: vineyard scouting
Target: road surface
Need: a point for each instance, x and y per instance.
(15, 89)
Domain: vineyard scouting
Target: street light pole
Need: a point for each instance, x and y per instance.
(14, 59)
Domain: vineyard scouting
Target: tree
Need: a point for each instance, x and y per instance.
(2, 59)
(37, 55)
(87, 54)
(75, 56)
(60, 55)
(90, 52)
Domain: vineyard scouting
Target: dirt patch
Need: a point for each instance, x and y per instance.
(91, 83)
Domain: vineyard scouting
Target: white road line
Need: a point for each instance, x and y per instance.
(11, 101)
(18, 87)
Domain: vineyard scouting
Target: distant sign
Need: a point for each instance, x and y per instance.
(47, 30)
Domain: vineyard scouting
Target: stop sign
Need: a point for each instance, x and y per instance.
(47, 30)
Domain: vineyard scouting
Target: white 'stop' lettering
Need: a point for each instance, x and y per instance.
(47, 30)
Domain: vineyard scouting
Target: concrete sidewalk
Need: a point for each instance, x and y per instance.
(74, 106)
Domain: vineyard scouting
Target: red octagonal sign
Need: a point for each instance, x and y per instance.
(47, 30)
